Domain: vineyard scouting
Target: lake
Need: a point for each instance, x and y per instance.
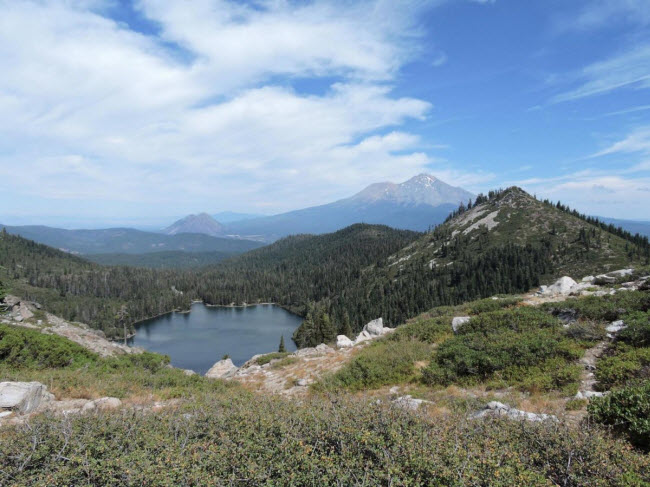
(198, 339)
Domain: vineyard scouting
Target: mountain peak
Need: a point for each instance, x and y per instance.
(200, 223)
(422, 178)
(423, 189)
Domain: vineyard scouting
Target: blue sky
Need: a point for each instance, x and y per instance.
(132, 113)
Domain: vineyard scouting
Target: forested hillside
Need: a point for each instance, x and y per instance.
(79, 290)
(292, 272)
(172, 259)
(301, 269)
(503, 243)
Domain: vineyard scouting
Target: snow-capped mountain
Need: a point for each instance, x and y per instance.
(422, 189)
(416, 204)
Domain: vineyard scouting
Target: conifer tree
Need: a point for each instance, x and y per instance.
(281, 348)
(327, 329)
(346, 329)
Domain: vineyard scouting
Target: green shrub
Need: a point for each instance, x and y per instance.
(554, 374)
(625, 365)
(575, 404)
(284, 362)
(427, 330)
(25, 348)
(479, 355)
(627, 411)
(521, 319)
(637, 331)
(586, 331)
(489, 304)
(382, 363)
(605, 308)
(265, 359)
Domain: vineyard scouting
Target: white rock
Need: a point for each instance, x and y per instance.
(588, 279)
(222, 369)
(496, 408)
(343, 342)
(305, 352)
(459, 321)
(408, 402)
(604, 279)
(189, 372)
(621, 273)
(615, 326)
(11, 301)
(496, 405)
(23, 397)
(25, 312)
(102, 404)
(322, 348)
(375, 327)
(302, 383)
(4, 414)
(363, 337)
(588, 394)
(564, 285)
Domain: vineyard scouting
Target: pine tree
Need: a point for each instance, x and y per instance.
(327, 329)
(346, 329)
(281, 348)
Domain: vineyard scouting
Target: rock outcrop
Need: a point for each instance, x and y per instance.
(23, 397)
(102, 404)
(223, 369)
(459, 321)
(343, 341)
(371, 330)
(409, 403)
(563, 286)
(498, 409)
(22, 314)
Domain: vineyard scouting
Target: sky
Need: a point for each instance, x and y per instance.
(117, 112)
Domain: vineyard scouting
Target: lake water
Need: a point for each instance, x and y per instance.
(198, 339)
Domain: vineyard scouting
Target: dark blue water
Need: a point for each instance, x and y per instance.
(198, 339)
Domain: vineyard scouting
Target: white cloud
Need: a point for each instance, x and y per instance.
(616, 187)
(606, 195)
(630, 69)
(602, 13)
(93, 111)
(637, 141)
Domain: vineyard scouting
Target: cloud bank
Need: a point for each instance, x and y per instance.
(200, 104)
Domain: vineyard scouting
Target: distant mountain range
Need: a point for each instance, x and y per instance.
(417, 204)
(127, 241)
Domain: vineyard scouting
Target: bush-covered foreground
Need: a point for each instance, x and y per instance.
(627, 411)
(235, 441)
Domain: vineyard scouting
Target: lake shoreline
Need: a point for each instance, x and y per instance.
(196, 338)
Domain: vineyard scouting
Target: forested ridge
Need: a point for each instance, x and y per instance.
(502, 243)
(505, 242)
(292, 272)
